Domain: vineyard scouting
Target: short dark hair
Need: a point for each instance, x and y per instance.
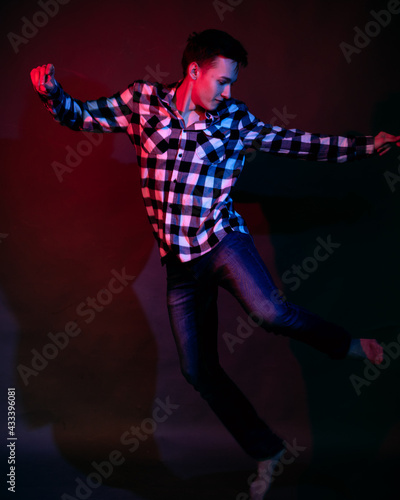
(204, 47)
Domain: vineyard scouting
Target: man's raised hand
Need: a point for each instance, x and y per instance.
(43, 78)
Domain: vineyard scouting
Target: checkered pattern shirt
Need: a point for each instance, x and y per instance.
(187, 172)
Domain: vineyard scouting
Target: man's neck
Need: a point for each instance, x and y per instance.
(183, 100)
(183, 97)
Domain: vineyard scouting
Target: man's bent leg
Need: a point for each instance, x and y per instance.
(192, 307)
(242, 272)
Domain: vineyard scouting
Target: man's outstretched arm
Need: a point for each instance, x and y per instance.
(302, 145)
(111, 114)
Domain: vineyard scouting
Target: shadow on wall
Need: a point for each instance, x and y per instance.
(86, 360)
(73, 250)
(356, 443)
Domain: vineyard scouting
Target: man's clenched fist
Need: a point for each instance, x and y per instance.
(43, 78)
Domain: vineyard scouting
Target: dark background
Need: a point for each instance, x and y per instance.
(60, 242)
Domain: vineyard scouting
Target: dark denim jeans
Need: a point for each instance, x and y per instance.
(235, 265)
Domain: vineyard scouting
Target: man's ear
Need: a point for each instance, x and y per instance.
(193, 70)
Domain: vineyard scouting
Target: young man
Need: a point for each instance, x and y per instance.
(189, 139)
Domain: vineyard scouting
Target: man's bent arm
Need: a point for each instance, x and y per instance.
(107, 114)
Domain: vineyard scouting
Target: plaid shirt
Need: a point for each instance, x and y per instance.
(187, 173)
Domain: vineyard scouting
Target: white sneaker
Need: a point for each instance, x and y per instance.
(265, 471)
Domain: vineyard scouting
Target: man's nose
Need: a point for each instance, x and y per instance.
(227, 92)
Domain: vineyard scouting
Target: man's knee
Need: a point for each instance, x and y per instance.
(270, 314)
(276, 318)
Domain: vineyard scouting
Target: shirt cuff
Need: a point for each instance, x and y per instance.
(52, 94)
(363, 147)
(370, 146)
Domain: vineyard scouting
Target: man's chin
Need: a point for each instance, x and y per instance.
(214, 104)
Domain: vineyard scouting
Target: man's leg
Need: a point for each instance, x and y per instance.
(192, 307)
(242, 272)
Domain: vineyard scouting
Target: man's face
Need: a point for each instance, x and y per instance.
(213, 83)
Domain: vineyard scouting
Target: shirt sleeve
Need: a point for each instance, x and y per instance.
(106, 114)
(295, 143)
